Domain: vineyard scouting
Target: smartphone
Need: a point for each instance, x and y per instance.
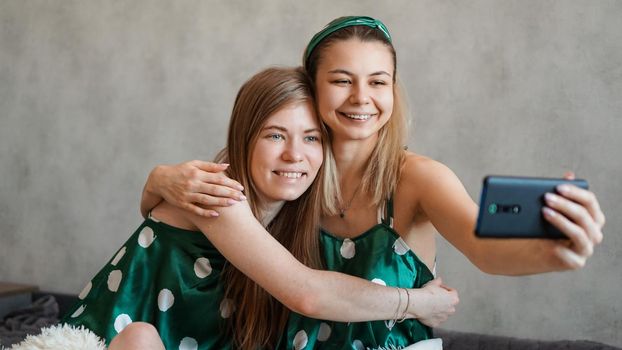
(511, 207)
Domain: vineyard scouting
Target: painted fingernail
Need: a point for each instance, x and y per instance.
(224, 164)
(231, 201)
(548, 212)
(214, 214)
(563, 189)
(551, 198)
(242, 197)
(240, 187)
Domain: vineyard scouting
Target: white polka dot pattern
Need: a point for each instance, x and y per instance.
(146, 237)
(300, 340)
(379, 281)
(85, 291)
(324, 332)
(165, 300)
(118, 257)
(121, 322)
(114, 280)
(348, 249)
(78, 312)
(400, 247)
(202, 267)
(188, 344)
(358, 345)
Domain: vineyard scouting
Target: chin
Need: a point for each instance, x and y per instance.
(289, 195)
(292, 197)
(357, 134)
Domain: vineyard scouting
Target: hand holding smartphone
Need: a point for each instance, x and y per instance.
(511, 207)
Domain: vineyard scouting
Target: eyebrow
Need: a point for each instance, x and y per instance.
(343, 71)
(280, 128)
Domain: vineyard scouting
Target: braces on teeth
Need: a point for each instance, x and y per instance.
(290, 175)
(359, 116)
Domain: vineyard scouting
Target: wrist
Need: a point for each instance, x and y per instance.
(152, 187)
(405, 313)
(417, 298)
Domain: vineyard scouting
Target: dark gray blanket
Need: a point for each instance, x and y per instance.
(453, 340)
(17, 324)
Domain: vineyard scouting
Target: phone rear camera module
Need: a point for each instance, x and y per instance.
(492, 208)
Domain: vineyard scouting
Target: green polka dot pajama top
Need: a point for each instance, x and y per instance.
(378, 255)
(170, 277)
(165, 276)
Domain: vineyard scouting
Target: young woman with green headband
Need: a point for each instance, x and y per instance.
(353, 65)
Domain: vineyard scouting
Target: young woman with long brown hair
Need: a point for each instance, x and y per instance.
(210, 290)
(353, 65)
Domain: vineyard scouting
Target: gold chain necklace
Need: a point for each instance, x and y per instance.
(342, 210)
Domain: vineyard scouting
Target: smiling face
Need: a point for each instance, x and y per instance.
(287, 154)
(354, 85)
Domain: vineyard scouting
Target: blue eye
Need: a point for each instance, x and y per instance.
(275, 137)
(312, 139)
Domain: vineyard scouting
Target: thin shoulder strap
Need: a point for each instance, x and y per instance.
(387, 217)
(151, 217)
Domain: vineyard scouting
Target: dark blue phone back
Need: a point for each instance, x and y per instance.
(511, 207)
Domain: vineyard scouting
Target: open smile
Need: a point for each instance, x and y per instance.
(356, 116)
(290, 174)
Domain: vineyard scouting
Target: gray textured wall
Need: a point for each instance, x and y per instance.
(94, 93)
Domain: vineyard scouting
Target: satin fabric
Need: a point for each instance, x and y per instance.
(165, 276)
(378, 255)
(170, 277)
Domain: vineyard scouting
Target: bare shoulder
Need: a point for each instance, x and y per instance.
(421, 178)
(436, 192)
(420, 173)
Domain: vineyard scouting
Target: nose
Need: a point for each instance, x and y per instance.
(292, 152)
(360, 94)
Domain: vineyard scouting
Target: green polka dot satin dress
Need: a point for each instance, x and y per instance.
(378, 255)
(165, 276)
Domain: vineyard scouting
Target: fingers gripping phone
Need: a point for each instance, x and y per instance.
(511, 207)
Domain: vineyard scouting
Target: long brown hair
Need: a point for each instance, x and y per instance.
(296, 226)
(384, 165)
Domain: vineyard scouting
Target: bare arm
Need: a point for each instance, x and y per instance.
(190, 186)
(150, 197)
(314, 293)
(452, 211)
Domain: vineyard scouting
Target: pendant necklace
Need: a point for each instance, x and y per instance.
(342, 209)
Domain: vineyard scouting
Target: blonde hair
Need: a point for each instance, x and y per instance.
(259, 319)
(384, 166)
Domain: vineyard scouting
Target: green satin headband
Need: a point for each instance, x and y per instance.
(341, 23)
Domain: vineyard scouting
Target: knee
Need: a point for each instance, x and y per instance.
(137, 335)
(140, 330)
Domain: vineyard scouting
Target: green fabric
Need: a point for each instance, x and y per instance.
(378, 255)
(344, 22)
(160, 267)
(159, 261)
